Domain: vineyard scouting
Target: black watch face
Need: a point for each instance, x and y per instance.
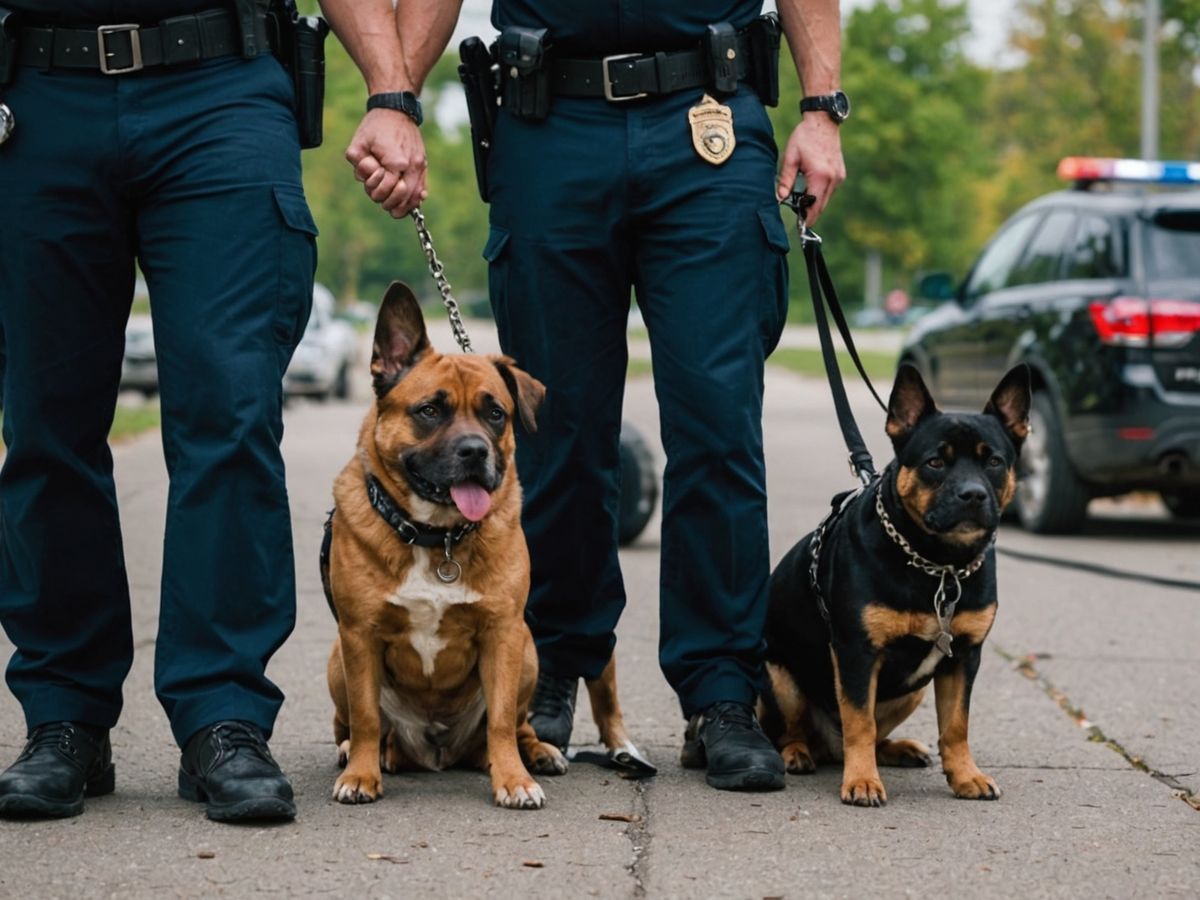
(840, 106)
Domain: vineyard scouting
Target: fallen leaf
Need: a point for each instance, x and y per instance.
(533, 864)
(620, 817)
(386, 857)
(206, 854)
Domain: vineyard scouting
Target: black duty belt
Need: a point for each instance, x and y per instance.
(631, 76)
(117, 49)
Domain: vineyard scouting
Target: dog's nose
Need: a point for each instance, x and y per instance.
(472, 449)
(974, 494)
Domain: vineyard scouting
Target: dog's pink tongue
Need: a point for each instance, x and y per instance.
(472, 500)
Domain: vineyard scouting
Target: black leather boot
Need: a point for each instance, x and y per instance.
(552, 710)
(727, 740)
(61, 764)
(228, 766)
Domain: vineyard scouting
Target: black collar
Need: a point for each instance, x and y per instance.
(411, 532)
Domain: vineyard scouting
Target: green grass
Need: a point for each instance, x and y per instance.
(880, 365)
(131, 421)
(639, 368)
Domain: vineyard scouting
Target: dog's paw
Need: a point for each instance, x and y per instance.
(907, 754)
(546, 759)
(797, 759)
(351, 788)
(867, 791)
(519, 793)
(975, 786)
(343, 753)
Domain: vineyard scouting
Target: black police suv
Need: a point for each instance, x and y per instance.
(1097, 288)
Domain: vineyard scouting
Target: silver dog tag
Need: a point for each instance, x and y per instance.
(7, 122)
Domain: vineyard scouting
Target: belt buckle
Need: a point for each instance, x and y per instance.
(135, 48)
(608, 94)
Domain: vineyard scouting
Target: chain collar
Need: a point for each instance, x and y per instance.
(418, 533)
(942, 606)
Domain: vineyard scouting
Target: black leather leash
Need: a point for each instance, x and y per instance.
(824, 294)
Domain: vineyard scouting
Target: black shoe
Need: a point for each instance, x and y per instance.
(728, 741)
(552, 711)
(229, 766)
(61, 764)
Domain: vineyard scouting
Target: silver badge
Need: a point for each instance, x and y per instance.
(7, 123)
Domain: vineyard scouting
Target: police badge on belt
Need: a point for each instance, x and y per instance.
(712, 130)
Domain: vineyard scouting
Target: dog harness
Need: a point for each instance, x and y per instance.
(943, 608)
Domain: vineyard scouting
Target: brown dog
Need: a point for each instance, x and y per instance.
(428, 574)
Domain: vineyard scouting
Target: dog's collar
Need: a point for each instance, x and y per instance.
(943, 607)
(418, 533)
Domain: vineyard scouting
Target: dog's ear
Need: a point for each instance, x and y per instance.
(909, 404)
(1010, 403)
(400, 338)
(527, 391)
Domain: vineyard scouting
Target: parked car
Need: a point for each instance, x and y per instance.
(139, 367)
(326, 355)
(1097, 289)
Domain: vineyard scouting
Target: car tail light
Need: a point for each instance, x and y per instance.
(1133, 321)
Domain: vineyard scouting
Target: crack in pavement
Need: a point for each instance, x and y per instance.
(1025, 665)
(639, 836)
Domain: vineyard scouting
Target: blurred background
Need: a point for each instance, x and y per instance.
(961, 114)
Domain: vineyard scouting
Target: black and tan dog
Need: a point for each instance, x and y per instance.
(903, 591)
(427, 572)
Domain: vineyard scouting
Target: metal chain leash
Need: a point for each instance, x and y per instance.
(437, 270)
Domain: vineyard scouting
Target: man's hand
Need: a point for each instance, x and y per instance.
(388, 156)
(814, 149)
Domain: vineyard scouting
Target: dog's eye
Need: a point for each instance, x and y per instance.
(935, 462)
(496, 414)
(995, 462)
(428, 411)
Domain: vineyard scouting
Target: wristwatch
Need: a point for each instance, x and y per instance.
(404, 101)
(836, 104)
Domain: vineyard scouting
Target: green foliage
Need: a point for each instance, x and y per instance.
(361, 248)
(912, 146)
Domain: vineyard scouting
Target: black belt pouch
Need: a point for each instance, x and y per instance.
(478, 75)
(8, 44)
(521, 53)
(764, 57)
(300, 48)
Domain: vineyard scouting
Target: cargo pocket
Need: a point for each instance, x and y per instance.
(775, 276)
(494, 251)
(297, 266)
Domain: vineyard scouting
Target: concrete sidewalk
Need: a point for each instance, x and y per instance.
(1077, 819)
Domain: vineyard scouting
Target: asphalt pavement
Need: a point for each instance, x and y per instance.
(1084, 712)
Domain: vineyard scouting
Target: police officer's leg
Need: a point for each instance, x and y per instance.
(227, 246)
(559, 281)
(712, 284)
(66, 282)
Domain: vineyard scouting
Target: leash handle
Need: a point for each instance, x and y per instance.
(438, 271)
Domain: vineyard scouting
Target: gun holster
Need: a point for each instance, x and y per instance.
(763, 34)
(299, 43)
(8, 44)
(524, 74)
(478, 74)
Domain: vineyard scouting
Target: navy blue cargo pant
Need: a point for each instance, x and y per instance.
(597, 200)
(195, 173)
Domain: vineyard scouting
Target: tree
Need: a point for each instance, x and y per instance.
(913, 147)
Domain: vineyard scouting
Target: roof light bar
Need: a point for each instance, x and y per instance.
(1147, 171)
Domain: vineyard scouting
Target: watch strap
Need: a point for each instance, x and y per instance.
(835, 104)
(402, 101)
